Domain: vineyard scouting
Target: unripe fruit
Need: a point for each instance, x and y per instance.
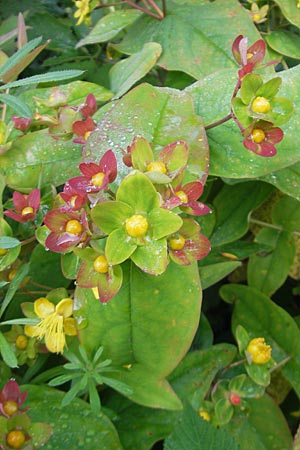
(15, 438)
(97, 179)
(74, 227)
(260, 352)
(136, 225)
(258, 135)
(10, 407)
(21, 342)
(157, 166)
(176, 242)
(27, 210)
(100, 264)
(261, 105)
(182, 195)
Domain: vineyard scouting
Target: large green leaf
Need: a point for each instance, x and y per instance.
(160, 115)
(109, 26)
(37, 159)
(229, 158)
(233, 205)
(285, 42)
(286, 180)
(286, 213)
(75, 426)
(191, 36)
(148, 327)
(290, 10)
(193, 433)
(128, 71)
(262, 317)
(210, 274)
(267, 272)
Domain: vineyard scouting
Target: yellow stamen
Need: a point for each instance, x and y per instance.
(259, 351)
(177, 242)
(157, 166)
(258, 135)
(182, 195)
(74, 227)
(98, 178)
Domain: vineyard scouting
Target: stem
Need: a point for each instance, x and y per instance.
(281, 363)
(219, 122)
(27, 241)
(270, 225)
(164, 7)
(157, 9)
(144, 10)
(4, 108)
(46, 288)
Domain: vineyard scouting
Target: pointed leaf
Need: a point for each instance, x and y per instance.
(16, 105)
(7, 352)
(55, 76)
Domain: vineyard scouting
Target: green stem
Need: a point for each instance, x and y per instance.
(218, 122)
(280, 364)
(270, 225)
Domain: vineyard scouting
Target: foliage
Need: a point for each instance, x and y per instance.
(149, 224)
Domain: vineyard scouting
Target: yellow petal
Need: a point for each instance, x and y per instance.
(43, 308)
(70, 326)
(65, 307)
(55, 342)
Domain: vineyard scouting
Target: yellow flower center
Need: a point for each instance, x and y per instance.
(1, 138)
(256, 17)
(182, 195)
(97, 179)
(100, 264)
(10, 407)
(73, 200)
(261, 105)
(177, 242)
(27, 210)
(260, 352)
(205, 415)
(15, 438)
(21, 342)
(136, 225)
(3, 251)
(74, 227)
(157, 166)
(258, 135)
(86, 135)
(249, 55)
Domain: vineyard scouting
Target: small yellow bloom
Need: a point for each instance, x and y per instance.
(56, 322)
(259, 351)
(205, 415)
(83, 10)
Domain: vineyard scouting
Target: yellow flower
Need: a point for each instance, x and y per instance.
(56, 322)
(83, 10)
(259, 351)
(205, 415)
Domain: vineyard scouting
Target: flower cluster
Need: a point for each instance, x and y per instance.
(16, 429)
(139, 220)
(258, 111)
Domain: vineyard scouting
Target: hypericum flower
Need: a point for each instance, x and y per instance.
(170, 161)
(11, 399)
(74, 199)
(188, 244)
(56, 322)
(258, 351)
(258, 101)
(258, 14)
(26, 206)
(96, 272)
(90, 106)
(186, 198)
(68, 229)
(205, 415)
(24, 348)
(248, 58)
(96, 176)
(234, 399)
(83, 11)
(83, 128)
(136, 225)
(261, 138)
(21, 123)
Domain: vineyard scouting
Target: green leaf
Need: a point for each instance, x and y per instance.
(190, 45)
(284, 42)
(259, 374)
(212, 273)
(7, 352)
(242, 338)
(148, 326)
(286, 213)
(16, 104)
(19, 55)
(8, 242)
(286, 180)
(84, 427)
(55, 76)
(111, 215)
(161, 116)
(152, 258)
(109, 26)
(290, 11)
(13, 287)
(223, 411)
(263, 318)
(194, 433)
(37, 159)
(70, 264)
(138, 192)
(233, 205)
(250, 84)
(164, 222)
(125, 73)
(269, 271)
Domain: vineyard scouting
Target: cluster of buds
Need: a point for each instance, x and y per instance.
(139, 220)
(16, 429)
(257, 111)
